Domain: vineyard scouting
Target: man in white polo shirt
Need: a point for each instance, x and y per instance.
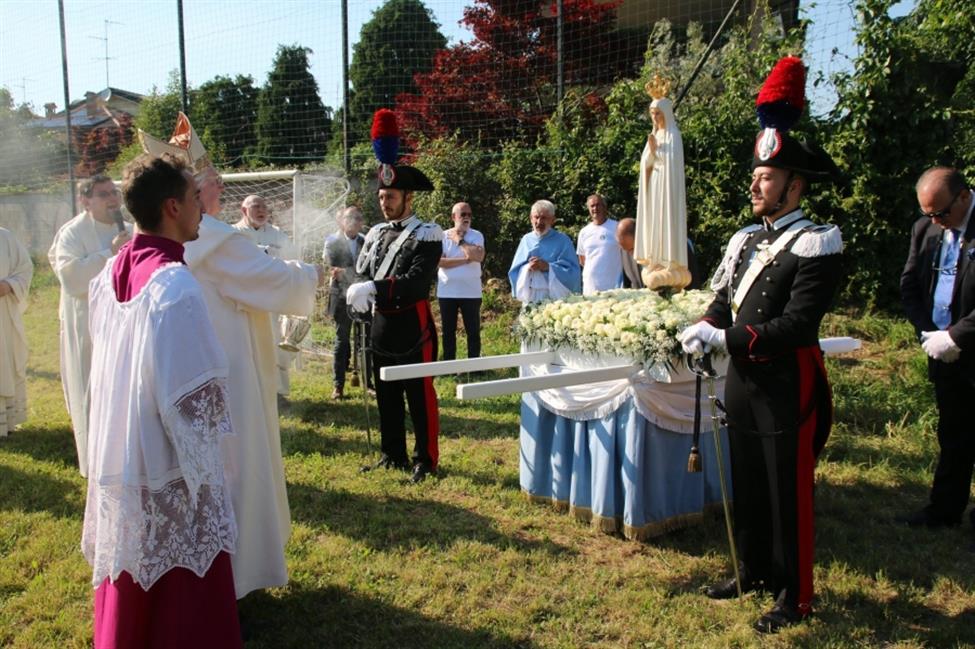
(599, 254)
(459, 283)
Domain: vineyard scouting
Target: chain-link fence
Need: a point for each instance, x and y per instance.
(500, 99)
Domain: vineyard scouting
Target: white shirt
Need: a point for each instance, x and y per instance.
(463, 281)
(948, 263)
(604, 263)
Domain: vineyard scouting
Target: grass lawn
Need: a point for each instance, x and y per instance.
(466, 561)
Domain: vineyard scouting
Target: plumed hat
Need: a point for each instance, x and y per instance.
(183, 144)
(385, 144)
(779, 106)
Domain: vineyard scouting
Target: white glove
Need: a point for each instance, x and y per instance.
(701, 338)
(939, 346)
(360, 296)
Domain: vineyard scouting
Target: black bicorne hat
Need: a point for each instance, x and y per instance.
(405, 177)
(774, 148)
(779, 106)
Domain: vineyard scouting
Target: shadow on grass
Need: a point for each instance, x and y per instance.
(351, 413)
(390, 522)
(894, 621)
(336, 617)
(30, 492)
(35, 373)
(848, 449)
(855, 527)
(855, 533)
(307, 438)
(55, 445)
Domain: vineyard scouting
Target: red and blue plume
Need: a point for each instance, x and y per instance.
(783, 95)
(385, 136)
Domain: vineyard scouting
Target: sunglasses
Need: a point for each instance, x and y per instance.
(107, 194)
(942, 214)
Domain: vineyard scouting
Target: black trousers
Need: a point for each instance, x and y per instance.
(956, 439)
(343, 348)
(470, 309)
(772, 471)
(402, 338)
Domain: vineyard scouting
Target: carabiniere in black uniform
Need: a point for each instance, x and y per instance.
(779, 408)
(401, 258)
(776, 283)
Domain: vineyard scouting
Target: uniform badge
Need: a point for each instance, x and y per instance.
(387, 175)
(768, 144)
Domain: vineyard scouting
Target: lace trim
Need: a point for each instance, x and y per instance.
(147, 533)
(187, 522)
(195, 424)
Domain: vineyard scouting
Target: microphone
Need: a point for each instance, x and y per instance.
(119, 222)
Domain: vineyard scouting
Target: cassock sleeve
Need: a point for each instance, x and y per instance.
(415, 283)
(74, 267)
(260, 282)
(22, 270)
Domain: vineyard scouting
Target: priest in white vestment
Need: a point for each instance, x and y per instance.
(16, 270)
(79, 252)
(256, 223)
(243, 287)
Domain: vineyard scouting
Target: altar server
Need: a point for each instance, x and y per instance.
(399, 258)
(159, 525)
(78, 253)
(545, 266)
(773, 288)
(243, 287)
(16, 270)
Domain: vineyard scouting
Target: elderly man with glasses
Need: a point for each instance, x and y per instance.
(938, 292)
(79, 252)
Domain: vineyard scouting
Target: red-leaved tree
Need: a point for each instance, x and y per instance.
(503, 84)
(98, 147)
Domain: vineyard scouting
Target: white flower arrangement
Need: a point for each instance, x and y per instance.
(638, 324)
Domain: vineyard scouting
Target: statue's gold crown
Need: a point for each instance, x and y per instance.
(658, 87)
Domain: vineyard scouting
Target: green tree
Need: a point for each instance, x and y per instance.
(292, 122)
(157, 116)
(224, 112)
(593, 143)
(457, 171)
(158, 111)
(906, 105)
(397, 43)
(32, 155)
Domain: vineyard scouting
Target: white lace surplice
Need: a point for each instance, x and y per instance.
(157, 497)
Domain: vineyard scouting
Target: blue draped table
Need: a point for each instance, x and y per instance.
(620, 472)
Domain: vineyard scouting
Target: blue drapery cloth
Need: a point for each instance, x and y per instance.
(620, 472)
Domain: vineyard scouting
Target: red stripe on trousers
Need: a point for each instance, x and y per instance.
(429, 394)
(805, 467)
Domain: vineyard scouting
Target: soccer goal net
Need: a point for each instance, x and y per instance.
(304, 205)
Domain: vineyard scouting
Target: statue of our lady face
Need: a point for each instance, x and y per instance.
(657, 116)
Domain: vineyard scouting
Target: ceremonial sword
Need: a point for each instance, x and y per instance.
(703, 369)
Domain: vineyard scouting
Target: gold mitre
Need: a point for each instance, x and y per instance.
(658, 87)
(183, 144)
